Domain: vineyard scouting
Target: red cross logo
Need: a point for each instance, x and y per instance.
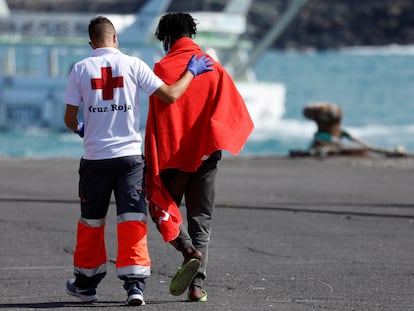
(107, 83)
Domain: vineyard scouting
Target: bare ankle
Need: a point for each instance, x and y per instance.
(190, 253)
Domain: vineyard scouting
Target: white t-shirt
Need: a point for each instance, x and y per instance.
(107, 84)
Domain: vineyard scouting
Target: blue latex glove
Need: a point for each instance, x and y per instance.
(81, 129)
(199, 66)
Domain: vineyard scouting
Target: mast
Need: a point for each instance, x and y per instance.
(272, 35)
(4, 9)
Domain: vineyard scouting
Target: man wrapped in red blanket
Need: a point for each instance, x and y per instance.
(183, 143)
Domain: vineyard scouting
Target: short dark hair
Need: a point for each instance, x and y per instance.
(99, 27)
(176, 26)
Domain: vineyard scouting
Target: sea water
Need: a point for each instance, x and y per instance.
(373, 86)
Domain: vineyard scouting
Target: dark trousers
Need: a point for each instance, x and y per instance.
(98, 179)
(199, 189)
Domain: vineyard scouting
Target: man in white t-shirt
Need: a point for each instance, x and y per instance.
(106, 85)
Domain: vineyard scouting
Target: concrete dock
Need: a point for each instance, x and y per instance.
(288, 234)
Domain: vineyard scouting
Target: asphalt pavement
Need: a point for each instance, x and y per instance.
(288, 234)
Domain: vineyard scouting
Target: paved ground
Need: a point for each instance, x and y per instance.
(288, 234)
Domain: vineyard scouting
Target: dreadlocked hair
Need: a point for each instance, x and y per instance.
(175, 26)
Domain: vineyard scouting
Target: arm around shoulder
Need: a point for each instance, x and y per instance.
(171, 93)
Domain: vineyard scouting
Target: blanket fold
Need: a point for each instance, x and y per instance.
(182, 134)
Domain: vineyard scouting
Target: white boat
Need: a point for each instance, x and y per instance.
(38, 50)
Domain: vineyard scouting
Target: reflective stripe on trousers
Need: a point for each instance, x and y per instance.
(133, 257)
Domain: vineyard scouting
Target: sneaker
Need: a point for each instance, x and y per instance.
(86, 295)
(135, 296)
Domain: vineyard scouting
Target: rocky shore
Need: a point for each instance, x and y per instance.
(322, 24)
(328, 24)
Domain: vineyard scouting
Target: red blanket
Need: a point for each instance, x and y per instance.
(182, 134)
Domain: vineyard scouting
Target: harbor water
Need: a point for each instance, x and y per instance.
(373, 86)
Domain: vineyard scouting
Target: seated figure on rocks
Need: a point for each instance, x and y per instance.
(331, 139)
